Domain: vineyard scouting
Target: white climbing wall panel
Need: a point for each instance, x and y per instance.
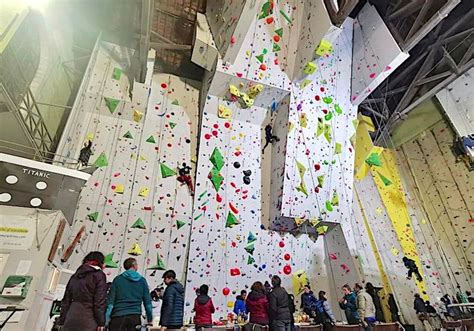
(458, 103)
(376, 53)
(129, 206)
(320, 157)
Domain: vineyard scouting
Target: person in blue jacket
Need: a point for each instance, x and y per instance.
(240, 309)
(349, 304)
(172, 308)
(128, 292)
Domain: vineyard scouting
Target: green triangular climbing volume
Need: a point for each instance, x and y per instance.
(93, 216)
(175, 102)
(260, 58)
(335, 199)
(216, 178)
(101, 161)
(172, 125)
(231, 220)
(139, 224)
(320, 180)
(109, 261)
(128, 135)
(217, 159)
(250, 248)
(151, 139)
(111, 104)
(160, 264)
(180, 224)
(166, 171)
(266, 10)
(117, 73)
(374, 160)
(320, 127)
(384, 179)
(279, 32)
(276, 47)
(250, 260)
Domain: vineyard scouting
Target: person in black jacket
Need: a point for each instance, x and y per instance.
(172, 308)
(392, 304)
(429, 308)
(83, 305)
(85, 153)
(376, 299)
(279, 307)
(412, 268)
(419, 305)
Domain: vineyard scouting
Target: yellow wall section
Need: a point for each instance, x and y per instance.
(395, 204)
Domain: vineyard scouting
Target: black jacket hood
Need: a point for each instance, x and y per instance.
(84, 270)
(203, 299)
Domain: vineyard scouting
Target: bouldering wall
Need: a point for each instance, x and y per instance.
(133, 205)
(375, 56)
(443, 190)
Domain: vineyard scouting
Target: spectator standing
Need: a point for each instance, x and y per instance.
(349, 305)
(370, 288)
(257, 304)
(172, 308)
(204, 309)
(365, 307)
(279, 307)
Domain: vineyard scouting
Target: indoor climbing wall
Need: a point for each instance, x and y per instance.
(444, 189)
(136, 204)
(376, 53)
(320, 156)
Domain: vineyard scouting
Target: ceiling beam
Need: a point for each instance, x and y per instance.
(173, 46)
(410, 8)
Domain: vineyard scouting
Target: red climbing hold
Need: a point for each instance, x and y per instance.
(232, 207)
(281, 244)
(263, 67)
(227, 125)
(233, 39)
(225, 291)
(234, 272)
(317, 166)
(322, 89)
(218, 198)
(164, 85)
(317, 97)
(276, 62)
(287, 257)
(214, 133)
(269, 20)
(207, 136)
(332, 256)
(287, 269)
(276, 38)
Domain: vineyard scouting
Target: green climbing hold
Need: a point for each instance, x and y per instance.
(217, 159)
(335, 199)
(260, 58)
(329, 206)
(128, 135)
(265, 51)
(93, 216)
(216, 178)
(338, 149)
(327, 100)
(180, 224)
(267, 9)
(175, 102)
(320, 181)
(151, 139)
(374, 160)
(101, 161)
(117, 73)
(160, 264)
(139, 224)
(320, 127)
(285, 16)
(251, 238)
(327, 133)
(276, 47)
(231, 220)
(111, 104)
(384, 179)
(166, 171)
(279, 32)
(338, 109)
(172, 125)
(250, 248)
(109, 261)
(328, 116)
(250, 260)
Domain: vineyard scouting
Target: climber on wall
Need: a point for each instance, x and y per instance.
(185, 177)
(269, 137)
(412, 268)
(85, 153)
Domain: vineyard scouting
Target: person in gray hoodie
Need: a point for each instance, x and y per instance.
(128, 292)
